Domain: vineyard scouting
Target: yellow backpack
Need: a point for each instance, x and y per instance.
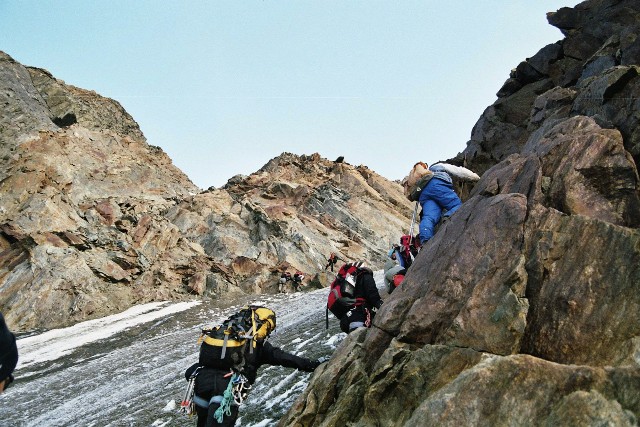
(224, 346)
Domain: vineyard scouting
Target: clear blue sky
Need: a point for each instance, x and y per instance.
(224, 86)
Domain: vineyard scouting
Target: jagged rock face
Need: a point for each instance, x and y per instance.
(83, 232)
(290, 215)
(524, 308)
(592, 72)
(93, 219)
(68, 105)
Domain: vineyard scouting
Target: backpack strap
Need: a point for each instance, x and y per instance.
(226, 340)
(204, 403)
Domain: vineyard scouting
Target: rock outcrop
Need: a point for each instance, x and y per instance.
(94, 219)
(291, 214)
(82, 226)
(524, 309)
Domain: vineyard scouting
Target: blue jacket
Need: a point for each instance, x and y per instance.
(437, 196)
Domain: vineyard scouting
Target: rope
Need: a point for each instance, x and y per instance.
(225, 405)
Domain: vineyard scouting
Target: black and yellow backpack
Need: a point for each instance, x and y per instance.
(224, 346)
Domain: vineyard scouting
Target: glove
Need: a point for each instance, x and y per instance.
(315, 363)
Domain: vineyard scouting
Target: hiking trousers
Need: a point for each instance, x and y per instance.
(437, 197)
(206, 418)
(212, 382)
(357, 317)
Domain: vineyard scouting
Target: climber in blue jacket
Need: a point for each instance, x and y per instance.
(437, 199)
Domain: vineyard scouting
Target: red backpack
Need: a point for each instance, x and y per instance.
(408, 249)
(397, 280)
(341, 297)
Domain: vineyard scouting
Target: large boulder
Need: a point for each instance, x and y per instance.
(524, 308)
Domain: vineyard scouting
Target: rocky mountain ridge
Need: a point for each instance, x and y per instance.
(94, 220)
(524, 308)
(291, 214)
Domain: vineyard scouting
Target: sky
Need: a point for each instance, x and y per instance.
(224, 86)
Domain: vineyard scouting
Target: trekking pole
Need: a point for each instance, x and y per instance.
(413, 219)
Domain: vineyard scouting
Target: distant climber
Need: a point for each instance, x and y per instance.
(8, 355)
(407, 250)
(433, 188)
(296, 281)
(392, 258)
(284, 278)
(333, 260)
(220, 381)
(353, 297)
(393, 271)
(339, 159)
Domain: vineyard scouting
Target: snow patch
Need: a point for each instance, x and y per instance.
(336, 339)
(170, 406)
(263, 423)
(56, 343)
(304, 343)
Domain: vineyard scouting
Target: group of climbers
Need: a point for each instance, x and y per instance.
(295, 279)
(232, 352)
(353, 296)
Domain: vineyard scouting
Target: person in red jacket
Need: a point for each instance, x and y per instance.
(333, 260)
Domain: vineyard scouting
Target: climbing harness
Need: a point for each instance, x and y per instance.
(187, 406)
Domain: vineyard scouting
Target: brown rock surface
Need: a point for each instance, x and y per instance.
(524, 309)
(291, 214)
(94, 220)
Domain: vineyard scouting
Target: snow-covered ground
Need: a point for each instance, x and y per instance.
(61, 342)
(127, 369)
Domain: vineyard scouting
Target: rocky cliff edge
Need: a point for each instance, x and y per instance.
(525, 307)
